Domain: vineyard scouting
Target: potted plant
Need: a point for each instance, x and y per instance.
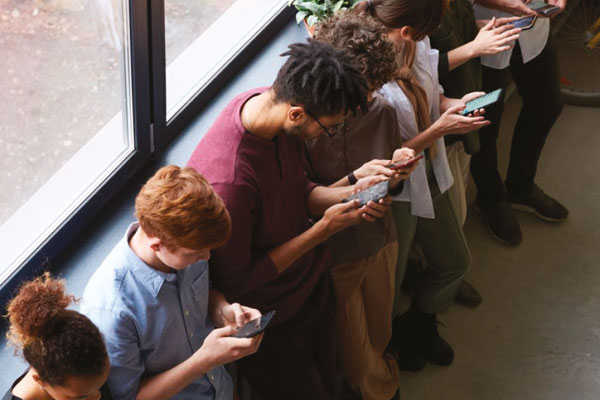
(313, 11)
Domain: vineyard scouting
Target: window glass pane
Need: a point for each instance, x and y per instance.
(66, 111)
(202, 36)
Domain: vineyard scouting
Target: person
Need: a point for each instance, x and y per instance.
(152, 300)
(423, 210)
(64, 349)
(253, 157)
(460, 43)
(533, 65)
(364, 255)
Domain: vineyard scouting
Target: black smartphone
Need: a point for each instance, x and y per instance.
(524, 23)
(255, 327)
(541, 7)
(373, 193)
(485, 101)
(404, 163)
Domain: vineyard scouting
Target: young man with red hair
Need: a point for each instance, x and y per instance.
(152, 300)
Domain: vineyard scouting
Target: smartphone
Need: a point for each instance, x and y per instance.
(543, 8)
(404, 163)
(255, 327)
(373, 193)
(485, 101)
(524, 23)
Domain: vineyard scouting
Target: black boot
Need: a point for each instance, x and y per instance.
(434, 348)
(404, 342)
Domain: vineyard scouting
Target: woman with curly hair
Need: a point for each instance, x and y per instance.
(364, 255)
(64, 349)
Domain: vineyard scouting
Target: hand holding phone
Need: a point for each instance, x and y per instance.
(543, 8)
(404, 163)
(256, 326)
(373, 193)
(485, 101)
(524, 23)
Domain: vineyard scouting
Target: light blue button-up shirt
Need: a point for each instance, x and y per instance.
(151, 321)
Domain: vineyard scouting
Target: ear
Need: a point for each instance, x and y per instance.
(406, 32)
(37, 378)
(154, 243)
(296, 113)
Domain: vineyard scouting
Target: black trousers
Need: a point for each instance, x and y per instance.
(538, 85)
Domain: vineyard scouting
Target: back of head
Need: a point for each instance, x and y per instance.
(365, 40)
(322, 79)
(56, 342)
(422, 16)
(178, 206)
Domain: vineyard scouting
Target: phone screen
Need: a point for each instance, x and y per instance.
(482, 102)
(524, 23)
(373, 193)
(255, 327)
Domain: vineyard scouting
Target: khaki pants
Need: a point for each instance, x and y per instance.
(365, 292)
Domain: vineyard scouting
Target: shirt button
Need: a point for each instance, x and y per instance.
(212, 378)
(191, 334)
(187, 312)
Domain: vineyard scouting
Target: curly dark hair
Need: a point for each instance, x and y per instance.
(365, 39)
(56, 342)
(322, 79)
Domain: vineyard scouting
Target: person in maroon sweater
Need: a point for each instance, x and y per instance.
(253, 157)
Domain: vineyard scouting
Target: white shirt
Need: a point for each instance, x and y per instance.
(416, 188)
(531, 41)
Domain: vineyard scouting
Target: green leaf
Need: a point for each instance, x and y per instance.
(311, 7)
(338, 6)
(311, 20)
(300, 15)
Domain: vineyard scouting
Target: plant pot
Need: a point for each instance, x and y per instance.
(309, 29)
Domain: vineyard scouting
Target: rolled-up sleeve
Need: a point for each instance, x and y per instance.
(122, 344)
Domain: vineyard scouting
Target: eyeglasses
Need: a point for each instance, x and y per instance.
(330, 131)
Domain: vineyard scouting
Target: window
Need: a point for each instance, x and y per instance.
(84, 97)
(66, 122)
(201, 37)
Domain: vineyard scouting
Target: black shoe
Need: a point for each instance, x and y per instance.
(434, 348)
(404, 341)
(500, 222)
(536, 202)
(467, 295)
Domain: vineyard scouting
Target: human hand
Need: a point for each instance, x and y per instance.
(374, 167)
(237, 315)
(518, 7)
(220, 347)
(340, 216)
(453, 122)
(403, 154)
(493, 39)
(558, 3)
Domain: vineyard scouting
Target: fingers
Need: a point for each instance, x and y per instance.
(455, 109)
(224, 332)
(490, 24)
(238, 314)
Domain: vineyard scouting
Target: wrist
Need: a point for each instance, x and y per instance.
(353, 177)
(202, 361)
(472, 50)
(321, 230)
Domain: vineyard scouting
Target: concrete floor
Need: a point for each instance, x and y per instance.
(537, 333)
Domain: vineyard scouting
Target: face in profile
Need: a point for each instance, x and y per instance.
(179, 258)
(306, 125)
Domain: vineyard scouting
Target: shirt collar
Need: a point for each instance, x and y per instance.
(151, 278)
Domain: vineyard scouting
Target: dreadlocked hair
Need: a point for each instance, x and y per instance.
(366, 40)
(322, 79)
(56, 342)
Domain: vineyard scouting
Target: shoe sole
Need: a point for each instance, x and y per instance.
(531, 210)
(492, 234)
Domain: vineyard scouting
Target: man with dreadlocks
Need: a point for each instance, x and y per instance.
(253, 157)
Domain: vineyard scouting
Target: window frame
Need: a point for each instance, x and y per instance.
(151, 132)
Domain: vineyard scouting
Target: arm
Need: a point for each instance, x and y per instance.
(514, 7)
(218, 348)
